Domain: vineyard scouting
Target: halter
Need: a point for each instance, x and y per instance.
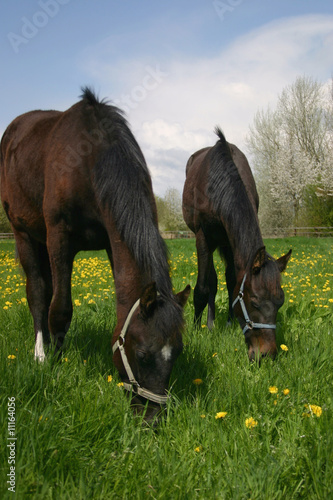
(250, 325)
(134, 386)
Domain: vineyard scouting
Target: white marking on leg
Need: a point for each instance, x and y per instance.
(166, 352)
(39, 347)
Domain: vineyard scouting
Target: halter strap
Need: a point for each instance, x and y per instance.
(250, 325)
(134, 386)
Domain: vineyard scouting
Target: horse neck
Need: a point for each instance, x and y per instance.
(130, 280)
(245, 239)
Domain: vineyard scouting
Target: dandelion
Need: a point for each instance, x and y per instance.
(313, 410)
(11, 356)
(284, 347)
(198, 449)
(250, 423)
(273, 389)
(203, 416)
(64, 360)
(197, 381)
(120, 384)
(286, 392)
(109, 378)
(77, 302)
(220, 414)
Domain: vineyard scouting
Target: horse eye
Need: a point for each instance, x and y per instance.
(255, 305)
(143, 356)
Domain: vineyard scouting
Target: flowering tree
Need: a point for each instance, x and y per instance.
(291, 150)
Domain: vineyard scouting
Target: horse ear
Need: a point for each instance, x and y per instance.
(259, 260)
(181, 297)
(283, 261)
(148, 299)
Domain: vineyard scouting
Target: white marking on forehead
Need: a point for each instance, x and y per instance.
(39, 347)
(166, 352)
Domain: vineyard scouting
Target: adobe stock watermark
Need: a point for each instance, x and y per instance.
(31, 27)
(152, 79)
(73, 155)
(11, 446)
(223, 8)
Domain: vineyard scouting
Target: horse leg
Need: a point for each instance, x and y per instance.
(202, 293)
(34, 259)
(61, 308)
(230, 277)
(212, 283)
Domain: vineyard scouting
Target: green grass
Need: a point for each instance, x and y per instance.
(78, 439)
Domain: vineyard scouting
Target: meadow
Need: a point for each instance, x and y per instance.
(231, 430)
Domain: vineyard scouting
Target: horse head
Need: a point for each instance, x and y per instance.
(149, 344)
(257, 298)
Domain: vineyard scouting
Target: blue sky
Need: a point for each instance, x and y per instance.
(178, 68)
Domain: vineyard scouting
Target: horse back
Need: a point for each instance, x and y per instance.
(22, 168)
(198, 209)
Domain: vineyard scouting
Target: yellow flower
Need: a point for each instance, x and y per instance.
(11, 356)
(273, 389)
(64, 360)
(284, 347)
(197, 381)
(286, 392)
(220, 414)
(121, 384)
(198, 449)
(314, 410)
(215, 354)
(109, 378)
(77, 302)
(250, 423)
(203, 416)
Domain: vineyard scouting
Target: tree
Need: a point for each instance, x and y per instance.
(4, 222)
(169, 208)
(291, 148)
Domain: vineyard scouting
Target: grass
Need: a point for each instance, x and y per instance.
(78, 439)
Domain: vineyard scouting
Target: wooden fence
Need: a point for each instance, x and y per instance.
(279, 232)
(285, 232)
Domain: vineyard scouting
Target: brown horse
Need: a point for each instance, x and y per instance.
(77, 180)
(220, 204)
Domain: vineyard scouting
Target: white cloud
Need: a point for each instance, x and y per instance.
(176, 116)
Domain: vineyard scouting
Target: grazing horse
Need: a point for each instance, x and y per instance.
(220, 204)
(77, 180)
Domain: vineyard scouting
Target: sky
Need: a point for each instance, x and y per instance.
(177, 68)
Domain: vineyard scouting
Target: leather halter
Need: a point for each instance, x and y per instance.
(250, 325)
(134, 385)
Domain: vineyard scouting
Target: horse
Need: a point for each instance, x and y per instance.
(220, 205)
(77, 180)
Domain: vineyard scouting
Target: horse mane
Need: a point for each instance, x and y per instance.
(124, 190)
(231, 202)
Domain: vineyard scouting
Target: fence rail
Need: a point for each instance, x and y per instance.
(4, 236)
(278, 232)
(285, 232)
